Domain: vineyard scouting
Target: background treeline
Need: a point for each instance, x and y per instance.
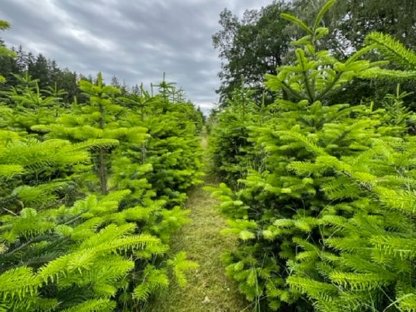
(46, 71)
(90, 192)
(51, 77)
(319, 191)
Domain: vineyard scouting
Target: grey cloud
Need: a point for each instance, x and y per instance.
(135, 40)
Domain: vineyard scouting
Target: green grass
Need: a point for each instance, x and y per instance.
(208, 289)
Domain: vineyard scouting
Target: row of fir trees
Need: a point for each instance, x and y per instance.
(321, 194)
(90, 194)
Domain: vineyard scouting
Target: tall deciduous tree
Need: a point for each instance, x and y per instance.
(257, 43)
(250, 47)
(352, 20)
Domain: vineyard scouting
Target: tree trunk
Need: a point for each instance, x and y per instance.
(102, 170)
(102, 157)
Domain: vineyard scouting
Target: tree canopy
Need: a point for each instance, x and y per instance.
(250, 46)
(257, 42)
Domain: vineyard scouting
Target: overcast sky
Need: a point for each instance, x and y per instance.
(135, 40)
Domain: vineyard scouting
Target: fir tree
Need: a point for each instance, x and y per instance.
(321, 220)
(67, 245)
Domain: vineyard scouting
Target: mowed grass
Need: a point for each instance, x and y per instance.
(208, 289)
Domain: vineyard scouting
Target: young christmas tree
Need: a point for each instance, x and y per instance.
(321, 220)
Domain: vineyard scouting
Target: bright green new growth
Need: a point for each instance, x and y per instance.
(90, 195)
(324, 202)
(320, 194)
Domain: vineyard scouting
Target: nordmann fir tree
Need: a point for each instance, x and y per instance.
(232, 154)
(173, 148)
(25, 105)
(55, 257)
(25, 98)
(168, 161)
(130, 168)
(107, 251)
(96, 120)
(327, 222)
(107, 124)
(169, 158)
(65, 258)
(371, 266)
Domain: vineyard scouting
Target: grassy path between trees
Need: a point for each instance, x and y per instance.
(208, 289)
